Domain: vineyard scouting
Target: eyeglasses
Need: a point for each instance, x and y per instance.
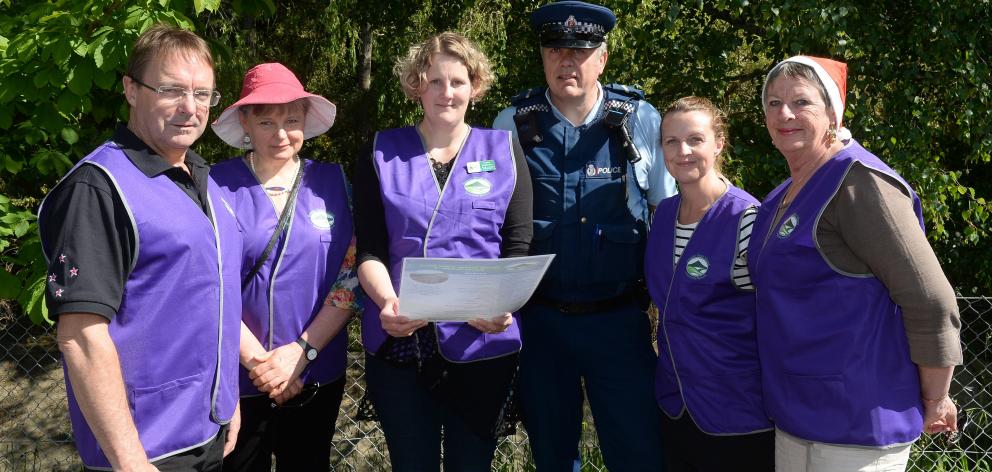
(305, 396)
(203, 97)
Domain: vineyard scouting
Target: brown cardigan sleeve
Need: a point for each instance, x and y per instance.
(870, 228)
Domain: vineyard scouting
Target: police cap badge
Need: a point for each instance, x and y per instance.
(572, 24)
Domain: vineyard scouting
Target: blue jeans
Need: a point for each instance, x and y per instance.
(412, 421)
(611, 351)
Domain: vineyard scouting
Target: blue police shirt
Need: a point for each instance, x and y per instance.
(649, 172)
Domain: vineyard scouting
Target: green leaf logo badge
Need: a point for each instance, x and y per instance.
(478, 186)
(788, 226)
(322, 219)
(697, 267)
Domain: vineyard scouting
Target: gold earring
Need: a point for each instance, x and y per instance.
(831, 135)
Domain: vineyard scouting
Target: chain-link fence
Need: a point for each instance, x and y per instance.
(35, 434)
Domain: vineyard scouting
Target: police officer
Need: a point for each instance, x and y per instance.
(597, 170)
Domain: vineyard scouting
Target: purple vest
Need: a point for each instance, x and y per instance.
(289, 289)
(461, 220)
(708, 354)
(178, 327)
(834, 355)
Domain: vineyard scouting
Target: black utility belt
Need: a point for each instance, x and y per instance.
(582, 308)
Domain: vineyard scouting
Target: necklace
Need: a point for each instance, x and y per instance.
(272, 190)
(444, 155)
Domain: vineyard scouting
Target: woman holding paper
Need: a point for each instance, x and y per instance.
(439, 189)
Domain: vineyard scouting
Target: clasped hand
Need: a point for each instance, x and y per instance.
(278, 372)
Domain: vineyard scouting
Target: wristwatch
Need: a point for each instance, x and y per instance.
(308, 350)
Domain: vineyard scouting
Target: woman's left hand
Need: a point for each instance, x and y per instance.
(940, 416)
(494, 325)
(291, 390)
(278, 368)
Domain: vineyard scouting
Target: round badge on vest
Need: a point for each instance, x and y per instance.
(322, 219)
(591, 169)
(478, 186)
(788, 226)
(697, 266)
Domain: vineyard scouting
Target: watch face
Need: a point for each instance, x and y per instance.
(311, 354)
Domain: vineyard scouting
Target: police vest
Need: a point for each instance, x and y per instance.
(834, 354)
(462, 219)
(179, 324)
(288, 291)
(580, 197)
(708, 353)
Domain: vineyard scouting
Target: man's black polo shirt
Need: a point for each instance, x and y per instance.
(87, 225)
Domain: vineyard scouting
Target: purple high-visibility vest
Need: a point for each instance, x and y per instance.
(708, 355)
(461, 220)
(834, 355)
(286, 293)
(178, 327)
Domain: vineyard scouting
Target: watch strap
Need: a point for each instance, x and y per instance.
(307, 348)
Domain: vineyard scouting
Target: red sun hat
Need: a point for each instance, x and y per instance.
(272, 84)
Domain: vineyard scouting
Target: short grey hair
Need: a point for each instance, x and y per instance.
(602, 47)
(795, 70)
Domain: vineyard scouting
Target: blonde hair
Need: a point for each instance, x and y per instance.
(412, 68)
(275, 108)
(718, 119)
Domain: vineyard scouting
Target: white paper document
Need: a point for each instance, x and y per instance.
(442, 289)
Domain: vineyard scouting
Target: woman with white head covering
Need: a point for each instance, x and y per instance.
(857, 325)
(297, 272)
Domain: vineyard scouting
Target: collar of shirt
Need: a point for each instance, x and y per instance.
(145, 159)
(589, 117)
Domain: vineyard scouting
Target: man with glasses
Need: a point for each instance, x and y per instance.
(596, 163)
(144, 258)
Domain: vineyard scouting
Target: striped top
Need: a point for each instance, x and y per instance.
(742, 278)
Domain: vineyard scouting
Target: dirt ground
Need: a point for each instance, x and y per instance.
(34, 423)
(35, 434)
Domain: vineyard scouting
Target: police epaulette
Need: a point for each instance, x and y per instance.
(628, 90)
(523, 110)
(526, 94)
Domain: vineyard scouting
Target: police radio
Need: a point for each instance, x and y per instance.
(616, 118)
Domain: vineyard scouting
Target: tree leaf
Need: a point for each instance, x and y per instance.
(70, 136)
(68, 102)
(6, 116)
(81, 79)
(21, 228)
(10, 286)
(33, 301)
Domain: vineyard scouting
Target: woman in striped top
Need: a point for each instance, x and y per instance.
(708, 380)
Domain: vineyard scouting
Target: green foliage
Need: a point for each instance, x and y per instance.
(60, 67)
(918, 89)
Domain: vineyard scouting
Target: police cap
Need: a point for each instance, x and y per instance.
(572, 24)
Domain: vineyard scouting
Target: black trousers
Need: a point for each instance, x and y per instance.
(691, 450)
(298, 434)
(206, 458)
